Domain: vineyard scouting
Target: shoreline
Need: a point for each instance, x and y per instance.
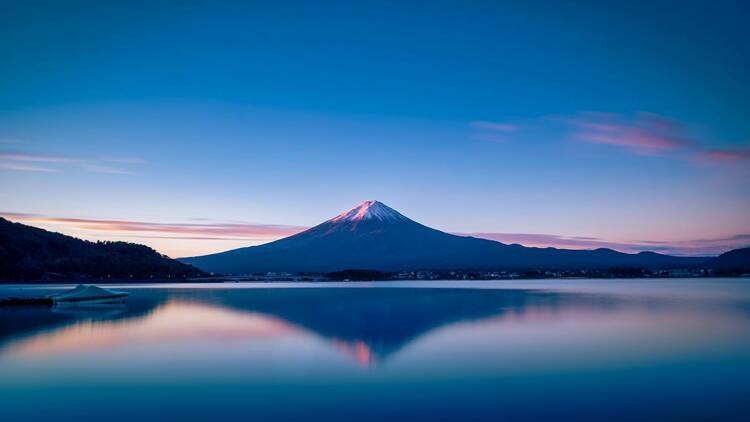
(279, 281)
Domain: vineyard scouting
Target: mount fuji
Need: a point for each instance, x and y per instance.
(376, 237)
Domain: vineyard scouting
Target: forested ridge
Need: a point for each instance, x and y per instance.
(30, 253)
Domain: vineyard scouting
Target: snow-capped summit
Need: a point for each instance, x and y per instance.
(369, 210)
(375, 236)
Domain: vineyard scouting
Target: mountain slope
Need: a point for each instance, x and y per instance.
(374, 236)
(30, 253)
(737, 260)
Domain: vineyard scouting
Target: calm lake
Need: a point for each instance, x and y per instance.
(671, 349)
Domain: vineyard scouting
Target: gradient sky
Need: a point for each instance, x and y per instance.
(199, 127)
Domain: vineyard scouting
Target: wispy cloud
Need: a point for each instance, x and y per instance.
(15, 160)
(724, 155)
(547, 240)
(195, 231)
(18, 215)
(697, 247)
(650, 134)
(233, 231)
(493, 126)
(105, 169)
(646, 133)
(24, 167)
(492, 131)
(641, 133)
(124, 160)
(141, 236)
(33, 157)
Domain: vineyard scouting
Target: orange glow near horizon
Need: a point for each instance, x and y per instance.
(172, 322)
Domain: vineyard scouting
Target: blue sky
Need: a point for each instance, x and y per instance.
(620, 125)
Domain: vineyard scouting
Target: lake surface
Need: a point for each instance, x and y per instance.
(439, 350)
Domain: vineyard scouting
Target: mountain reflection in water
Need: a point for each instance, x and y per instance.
(366, 324)
(426, 351)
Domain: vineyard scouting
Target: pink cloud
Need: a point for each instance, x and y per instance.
(142, 236)
(15, 160)
(646, 134)
(18, 215)
(551, 240)
(724, 155)
(268, 232)
(33, 157)
(207, 231)
(697, 247)
(24, 167)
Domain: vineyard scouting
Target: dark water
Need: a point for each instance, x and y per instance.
(575, 350)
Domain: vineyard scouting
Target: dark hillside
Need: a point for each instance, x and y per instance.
(29, 253)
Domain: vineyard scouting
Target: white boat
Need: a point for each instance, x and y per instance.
(87, 294)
